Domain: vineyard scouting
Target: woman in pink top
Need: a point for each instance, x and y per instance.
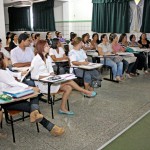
(116, 47)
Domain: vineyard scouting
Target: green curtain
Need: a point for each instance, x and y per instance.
(19, 19)
(43, 18)
(110, 16)
(146, 17)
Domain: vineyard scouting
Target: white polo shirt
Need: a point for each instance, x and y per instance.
(21, 56)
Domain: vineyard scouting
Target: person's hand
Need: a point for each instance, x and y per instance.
(36, 89)
(65, 57)
(23, 73)
(52, 74)
(85, 63)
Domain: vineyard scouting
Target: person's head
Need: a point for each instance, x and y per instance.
(37, 36)
(2, 63)
(32, 36)
(77, 42)
(95, 36)
(14, 37)
(48, 35)
(56, 32)
(8, 35)
(0, 43)
(85, 38)
(59, 35)
(132, 38)
(24, 40)
(104, 38)
(123, 38)
(42, 48)
(72, 36)
(143, 36)
(113, 37)
(55, 43)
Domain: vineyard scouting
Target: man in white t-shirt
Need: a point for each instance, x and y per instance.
(22, 55)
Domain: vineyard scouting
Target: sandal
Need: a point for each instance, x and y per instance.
(93, 94)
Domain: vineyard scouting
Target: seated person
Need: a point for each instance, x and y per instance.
(144, 43)
(141, 59)
(6, 54)
(133, 42)
(78, 57)
(116, 47)
(86, 45)
(22, 55)
(61, 39)
(14, 41)
(57, 53)
(7, 80)
(49, 38)
(72, 37)
(104, 48)
(42, 67)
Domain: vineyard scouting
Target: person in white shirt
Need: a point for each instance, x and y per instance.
(78, 57)
(22, 55)
(58, 55)
(104, 48)
(7, 81)
(42, 67)
(4, 51)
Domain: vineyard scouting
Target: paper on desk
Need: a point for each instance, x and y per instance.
(20, 69)
(29, 69)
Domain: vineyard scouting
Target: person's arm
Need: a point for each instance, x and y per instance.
(26, 64)
(59, 59)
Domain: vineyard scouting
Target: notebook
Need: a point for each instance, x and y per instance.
(18, 91)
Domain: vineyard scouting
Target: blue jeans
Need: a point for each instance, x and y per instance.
(117, 68)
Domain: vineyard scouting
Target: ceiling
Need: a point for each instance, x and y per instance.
(22, 3)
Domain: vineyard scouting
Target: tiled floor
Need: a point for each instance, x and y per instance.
(96, 120)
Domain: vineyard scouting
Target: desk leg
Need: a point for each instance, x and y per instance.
(50, 99)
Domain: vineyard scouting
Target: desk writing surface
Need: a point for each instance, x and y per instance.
(19, 99)
(90, 66)
(63, 77)
(20, 69)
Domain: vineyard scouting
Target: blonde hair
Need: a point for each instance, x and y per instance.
(76, 41)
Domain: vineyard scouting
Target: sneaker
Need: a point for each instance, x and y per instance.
(35, 116)
(57, 131)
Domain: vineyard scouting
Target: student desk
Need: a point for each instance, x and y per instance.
(49, 81)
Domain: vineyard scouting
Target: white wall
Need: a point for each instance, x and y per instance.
(2, 23)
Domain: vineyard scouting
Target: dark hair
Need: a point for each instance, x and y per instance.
(7, 35)
(54, 43)
(76, 41)
(72, 36)
(131, 36)
(39, 48)
(12, 36)
(0, 40)
(102, 36)
(47, 34)
(96, 34)
(141, 36)
(112, 36)
(22, 37)
(2, 64)
(122, 37)
(83, 36)
(37, 35)
(32, 34)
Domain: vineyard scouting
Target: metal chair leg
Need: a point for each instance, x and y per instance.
(68, 105)
(12, 127)
(37, 127)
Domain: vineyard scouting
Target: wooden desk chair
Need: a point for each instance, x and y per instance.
(9, 114)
